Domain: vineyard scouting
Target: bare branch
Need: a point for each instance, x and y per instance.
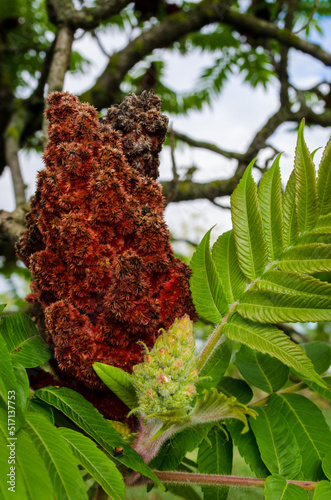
(188, 190)
(88, 18)
(206, 145)
(60, 64)
(12, 224)
(12, 146)
(178, 25)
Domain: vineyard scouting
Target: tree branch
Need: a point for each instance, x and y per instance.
(12, 146)
(206, 145)
(88, 18)
(60, 64)
(188, 190)
(12, 224)
(177, 25)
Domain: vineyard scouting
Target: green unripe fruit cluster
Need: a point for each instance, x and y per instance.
(166, 379)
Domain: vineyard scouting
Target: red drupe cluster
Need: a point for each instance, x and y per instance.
(96, 244)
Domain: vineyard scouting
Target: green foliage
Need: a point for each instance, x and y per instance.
(215, 457)
(277, 487)
(263, 272)
(278, 246)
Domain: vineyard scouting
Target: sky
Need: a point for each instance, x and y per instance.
(232, 121)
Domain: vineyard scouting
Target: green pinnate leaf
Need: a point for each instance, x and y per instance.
(7, 376)
(291, 231)
(23, 340)
(95, 462)
(226, 262)
(324, 181)
(118, 381)
(326, 465)
(310, 429)
(175, 448)
(266, 373)
(215, 457)
(270, 199)
(323, 224)
(247, 447)
(320, 355)
(277, 444)
(322, 491)
(305, 185)
(307, 259)
(276, 486)
(206, 286)
(325, 392)
(83, 413)
(32, 469)
(216, 365)
(283, 297)
(237, 388)
(56, 454)
(247, 227)
(270, 340)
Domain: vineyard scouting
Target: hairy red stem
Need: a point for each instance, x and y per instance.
(217, 480)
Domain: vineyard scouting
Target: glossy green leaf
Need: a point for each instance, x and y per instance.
(326, 465)
(56, 454)
(23, 340)
(87, 417)
(216, 365)
(322, 491)
(32, 468)
(320, 355)
(247, 227)
(308, 259)
(266, 373)
(324, 181)
(269, 340)
(305, 185)
(280, 296)
(7, 376)
(247, 447)
(38, 406)
(270, 199)
(174, 449)
(226, 261)
(205, 283)
(23, 386)
(309, 427)
(276, 441)
(119, 382)
(325, 392)
(95, 462)
(323, 224)
(276, 486)
(2, 306)
(5, 494)
(296, 298)
(291, 231)
(237, 388)
(215, 459)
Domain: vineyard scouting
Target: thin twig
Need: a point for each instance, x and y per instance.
(314, 9)
(12, 145)
(205, 145)
(59, 65)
